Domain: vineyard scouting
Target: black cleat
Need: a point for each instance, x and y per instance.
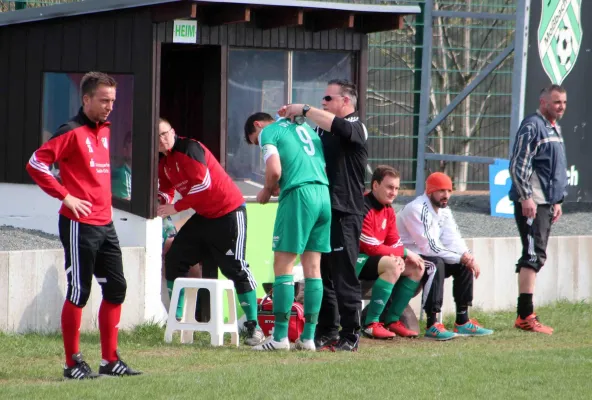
(117, 368)
(325, 342)
(79, 371)
(347, 343)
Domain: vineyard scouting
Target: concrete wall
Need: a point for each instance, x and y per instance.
(32, 283)
(567, 273)
(33, 287)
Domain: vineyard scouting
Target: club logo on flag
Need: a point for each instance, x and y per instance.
(560, 36)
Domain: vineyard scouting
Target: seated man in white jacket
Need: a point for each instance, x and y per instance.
(427, 227)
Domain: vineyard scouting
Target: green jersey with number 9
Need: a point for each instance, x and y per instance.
(300, 151)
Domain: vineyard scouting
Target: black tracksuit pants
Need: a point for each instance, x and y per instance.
(342, 299)
(92, 250)
(213, 241)
(462, 285)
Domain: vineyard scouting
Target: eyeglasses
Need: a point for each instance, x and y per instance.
(329, 98)
(161, 135)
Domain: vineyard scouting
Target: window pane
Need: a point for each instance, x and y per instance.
(255, 83)
(312, 71)
(62, 100)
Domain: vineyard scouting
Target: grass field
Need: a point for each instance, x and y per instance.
(508, 365)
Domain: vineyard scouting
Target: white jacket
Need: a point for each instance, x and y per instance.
(430, 233)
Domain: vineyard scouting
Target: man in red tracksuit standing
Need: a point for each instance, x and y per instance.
(218, 230)
(91, 246)
(396, 270)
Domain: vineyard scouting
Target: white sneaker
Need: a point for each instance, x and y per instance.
(272, 345)
(306, 345)
(255, 335)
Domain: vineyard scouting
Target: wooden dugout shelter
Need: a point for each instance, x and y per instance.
(203, 65)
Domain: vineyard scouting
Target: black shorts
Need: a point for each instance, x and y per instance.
(92, 250)
(369, 271)
(216, 241)
(534, 235)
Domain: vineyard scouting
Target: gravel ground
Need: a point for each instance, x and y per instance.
(471, 214)
(12, 238)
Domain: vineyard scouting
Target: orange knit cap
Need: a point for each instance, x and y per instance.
(438, 181)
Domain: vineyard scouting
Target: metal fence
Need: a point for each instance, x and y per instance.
(461, 48)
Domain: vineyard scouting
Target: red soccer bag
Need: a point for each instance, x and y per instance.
(267, 319)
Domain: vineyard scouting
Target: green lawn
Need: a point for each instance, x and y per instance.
(508, 365)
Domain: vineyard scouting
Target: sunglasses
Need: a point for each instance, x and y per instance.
(329, 98)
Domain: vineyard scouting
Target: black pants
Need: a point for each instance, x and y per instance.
(220, 240)
(92, 250)
(342, 298)
(462, 285)
(534, 236)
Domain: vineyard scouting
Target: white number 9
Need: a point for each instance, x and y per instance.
(307, 140)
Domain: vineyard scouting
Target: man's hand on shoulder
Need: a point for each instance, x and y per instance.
(290, 110)
(77, 206)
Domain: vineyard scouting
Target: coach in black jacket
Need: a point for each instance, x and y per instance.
(538, 168)
(344, 139)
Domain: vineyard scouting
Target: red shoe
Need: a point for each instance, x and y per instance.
(376, 331)
(400, 329)
(531, 323)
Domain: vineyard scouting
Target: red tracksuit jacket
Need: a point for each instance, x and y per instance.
(379, 230)
(193, 171)
(81, 147)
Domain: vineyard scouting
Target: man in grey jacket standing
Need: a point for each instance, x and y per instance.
(538, 169)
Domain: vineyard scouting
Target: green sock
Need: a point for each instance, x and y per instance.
(381, 291)
(313, 295)
(402, 295)
(181, 303)
(248, 302)
(283, 298)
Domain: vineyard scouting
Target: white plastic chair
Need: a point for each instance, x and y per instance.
(216, 325)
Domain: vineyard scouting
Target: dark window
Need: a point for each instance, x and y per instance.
(62, 100)
(259, 80)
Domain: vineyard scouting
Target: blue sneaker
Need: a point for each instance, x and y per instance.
(471, 328)
(439, 332)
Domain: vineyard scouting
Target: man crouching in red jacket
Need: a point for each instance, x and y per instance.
(384, 259)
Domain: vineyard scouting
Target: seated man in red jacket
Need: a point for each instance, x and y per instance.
(218, 229)
(397, 271)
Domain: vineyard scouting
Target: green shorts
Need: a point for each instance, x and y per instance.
(303, 221)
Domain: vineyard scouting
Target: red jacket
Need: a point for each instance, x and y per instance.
(379, 230)
(81, 147)
(193, 171)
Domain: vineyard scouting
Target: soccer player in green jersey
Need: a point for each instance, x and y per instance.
(294, 164)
